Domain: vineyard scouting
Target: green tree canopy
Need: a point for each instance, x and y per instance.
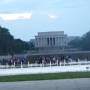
(82, 43)
(85, 42)
(9, 45)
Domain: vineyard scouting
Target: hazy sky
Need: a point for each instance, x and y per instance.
(24, 18)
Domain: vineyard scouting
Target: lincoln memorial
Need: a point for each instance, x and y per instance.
(51, 39)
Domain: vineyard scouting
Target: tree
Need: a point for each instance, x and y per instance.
(82, 43)
(85, 42)
(5, 40)
(75, 43)
(9, 45)
(32, 45)
(20, 46)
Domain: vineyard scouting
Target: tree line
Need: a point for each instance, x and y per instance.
(10, 45)
(82, 43)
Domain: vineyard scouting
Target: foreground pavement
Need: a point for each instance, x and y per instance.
(66, 84)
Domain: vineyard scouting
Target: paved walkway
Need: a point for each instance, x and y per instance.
(69, 84)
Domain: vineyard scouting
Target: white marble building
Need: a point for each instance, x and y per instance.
(51, 39)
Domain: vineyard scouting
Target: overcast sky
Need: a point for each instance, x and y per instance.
(24, 18)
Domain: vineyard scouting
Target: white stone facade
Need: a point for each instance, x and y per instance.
(51, 39)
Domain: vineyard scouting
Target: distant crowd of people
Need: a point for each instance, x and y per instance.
(53, 59)
(12, 61)
(38, 60)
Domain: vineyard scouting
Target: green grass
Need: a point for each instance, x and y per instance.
(53, 76)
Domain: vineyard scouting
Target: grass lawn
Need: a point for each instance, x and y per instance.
(52, 76)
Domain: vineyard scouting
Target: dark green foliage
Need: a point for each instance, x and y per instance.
(82, 43)
(86, 41)
(32, 46)
(75, 43)
(9, 45)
